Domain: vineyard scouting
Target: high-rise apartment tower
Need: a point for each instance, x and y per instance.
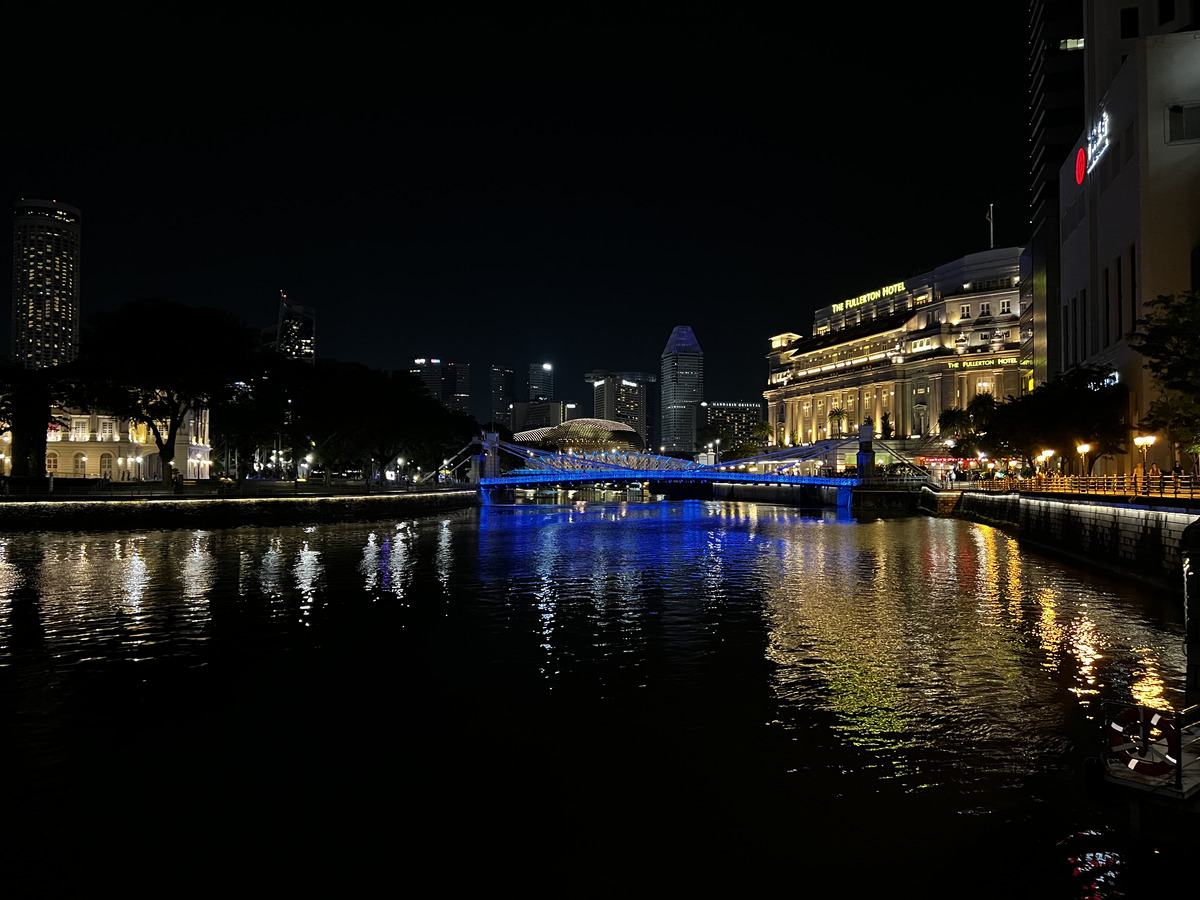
(45, 297)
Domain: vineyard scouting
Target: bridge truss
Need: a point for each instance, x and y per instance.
(544, 467)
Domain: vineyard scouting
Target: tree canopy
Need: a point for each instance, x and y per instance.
(1168, 337)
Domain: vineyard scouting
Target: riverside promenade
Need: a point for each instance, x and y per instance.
(93, 506)
(1119, 526)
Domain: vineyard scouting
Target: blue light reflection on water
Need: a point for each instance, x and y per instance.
(751, 679)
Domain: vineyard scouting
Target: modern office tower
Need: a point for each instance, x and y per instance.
(1056, 56)
(296, 333)
(503, 394)
(46, 270)
(447, 382)
(682, 389)
(535, 414)
(621, 397)
(541, 381)
(733, 418)
(1129, 229)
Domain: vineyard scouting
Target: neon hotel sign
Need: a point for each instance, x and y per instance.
(869, 297)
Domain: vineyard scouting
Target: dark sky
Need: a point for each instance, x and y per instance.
(511, 188)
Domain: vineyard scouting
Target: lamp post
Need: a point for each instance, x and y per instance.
(1144, 443)
(1046, 454)
(1083, 450)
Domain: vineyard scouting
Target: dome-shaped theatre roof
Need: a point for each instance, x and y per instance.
(585, 434)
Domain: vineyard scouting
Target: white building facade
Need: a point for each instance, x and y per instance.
(900, 354)
(99, 446)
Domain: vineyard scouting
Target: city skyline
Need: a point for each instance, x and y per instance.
(565, 189)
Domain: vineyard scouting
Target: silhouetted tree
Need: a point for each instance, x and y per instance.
(152, 361)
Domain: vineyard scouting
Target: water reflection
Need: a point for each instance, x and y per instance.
(925, 670)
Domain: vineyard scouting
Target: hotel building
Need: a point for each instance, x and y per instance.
(901, 353)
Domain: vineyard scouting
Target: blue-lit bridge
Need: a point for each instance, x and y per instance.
(794, 466)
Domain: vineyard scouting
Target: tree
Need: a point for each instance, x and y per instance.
(26, 399)
(1168, 337)
(762, 432)
(837, 416)
(885, 426)
(1082, 405)
(154, 361)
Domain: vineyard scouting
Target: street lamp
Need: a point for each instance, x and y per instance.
(1083, 450)
(1045, 457)
(1144, 443)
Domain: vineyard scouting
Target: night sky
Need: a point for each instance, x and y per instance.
(514, 188)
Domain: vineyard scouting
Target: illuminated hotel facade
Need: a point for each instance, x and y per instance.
(901, 353)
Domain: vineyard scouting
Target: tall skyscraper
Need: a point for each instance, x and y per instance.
(447, 382)
(682, 389)
(296, 334)
(541, 381)
(503, 394)
(46, 270)
(622, 397)
(1056, 56)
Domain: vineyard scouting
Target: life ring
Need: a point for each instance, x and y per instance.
(1127, 743)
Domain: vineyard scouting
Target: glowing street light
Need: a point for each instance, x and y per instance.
(1083, 450)
(1144, 443)
(1045, 458)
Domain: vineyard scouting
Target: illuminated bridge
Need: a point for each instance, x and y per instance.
(794, 466)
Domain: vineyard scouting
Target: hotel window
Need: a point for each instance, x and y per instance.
(1005, 307)
(985, 309)
(79, 429)
(108, 430)
(965, 311)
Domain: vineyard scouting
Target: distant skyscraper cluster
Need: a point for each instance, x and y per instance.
(46, 272)
(296, 333)
(623, 397)
(447, 382)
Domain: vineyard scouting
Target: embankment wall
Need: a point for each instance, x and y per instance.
(1123, 538)
(142, 515)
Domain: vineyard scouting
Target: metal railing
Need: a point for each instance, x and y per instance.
(1184, 487)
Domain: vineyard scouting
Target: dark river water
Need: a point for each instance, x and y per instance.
(875, 704)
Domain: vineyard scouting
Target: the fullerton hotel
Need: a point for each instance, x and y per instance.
(901, 354)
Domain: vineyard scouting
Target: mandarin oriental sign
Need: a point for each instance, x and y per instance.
(870, 296)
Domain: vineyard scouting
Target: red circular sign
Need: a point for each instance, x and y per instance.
(1080, 165)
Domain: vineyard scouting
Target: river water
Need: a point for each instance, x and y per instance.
(904, 701)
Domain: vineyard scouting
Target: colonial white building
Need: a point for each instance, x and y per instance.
(901, 353)
(95, 445)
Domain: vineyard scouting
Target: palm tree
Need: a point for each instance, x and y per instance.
(954, 421)
(837, 416)
(981, 409)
